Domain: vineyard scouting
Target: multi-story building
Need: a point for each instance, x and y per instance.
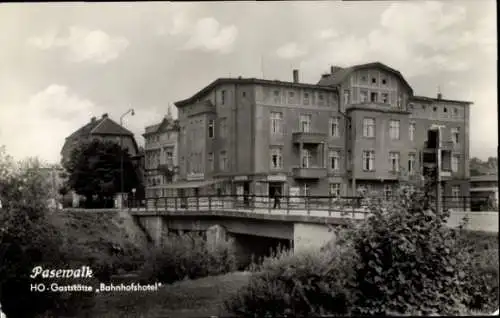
(360, 126)
(161, 153)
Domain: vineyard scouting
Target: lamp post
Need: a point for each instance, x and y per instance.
(131, 112)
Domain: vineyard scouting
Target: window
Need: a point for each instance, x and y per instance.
(223, 161)
(387, 191)
(399, 101)
(321, 97)
(346, 97)
(223, 97)
(394, 161)
(369, 127)
(305, 123)
(334, 127)
(335, 190)
(394, 129)
(276, 158)
(455, 192)
(170, 157)
(455, 112)
(223, 128)
(368, 160)
(411, 163)
(445, 110)
(454, 163)
(363, 79)
(277, 97)
(334, 157)
(455, 135)
(374, 80)
(306, 158)
(363, 96)
(385, 98)
(211, 124)
(411, 131)
(306, 98)
(211, 161)
(373, 97)
(291, 97)
(434, 108)
(384, 81)
(276, 123)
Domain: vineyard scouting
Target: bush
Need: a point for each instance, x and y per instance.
(28, 238)
(304, 284)
(401, 260)
(187, 256)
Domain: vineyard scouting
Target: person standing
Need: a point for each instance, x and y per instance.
(276, 199)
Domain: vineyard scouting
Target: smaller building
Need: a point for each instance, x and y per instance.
(161, 153)
(482, 187)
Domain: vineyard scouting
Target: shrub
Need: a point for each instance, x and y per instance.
(409, 260)
(187, 256)
(29, 238)
(304, 284)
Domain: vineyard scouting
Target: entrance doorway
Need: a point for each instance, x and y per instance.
(246, 194)
(275, 186)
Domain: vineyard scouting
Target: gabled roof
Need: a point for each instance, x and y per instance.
(108, 126)
(102, 126)
(341, 74)
(165, 124)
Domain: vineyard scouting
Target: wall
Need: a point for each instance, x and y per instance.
(478, 221)
(308, 236)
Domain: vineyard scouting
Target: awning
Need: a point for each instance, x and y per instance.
(192, 184)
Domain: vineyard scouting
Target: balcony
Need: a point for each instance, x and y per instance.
(308, 137)
(309, 173)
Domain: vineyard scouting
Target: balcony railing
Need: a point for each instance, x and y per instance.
(308, 137)
(309, 173)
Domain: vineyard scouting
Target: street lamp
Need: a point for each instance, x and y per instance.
(132, 113)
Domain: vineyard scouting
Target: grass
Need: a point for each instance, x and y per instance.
(191, 298)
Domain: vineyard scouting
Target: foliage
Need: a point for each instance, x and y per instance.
(187, 256)
(29, 238)
(94, 169)
(479, 167)
(301, 284)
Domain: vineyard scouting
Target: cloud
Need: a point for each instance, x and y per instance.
(429, 37)
(290, 51)
(83, 45)
(208, 35)
(327, 34)
(40, 126)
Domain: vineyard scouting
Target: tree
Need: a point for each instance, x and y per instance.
(94, 171)
(28, 238)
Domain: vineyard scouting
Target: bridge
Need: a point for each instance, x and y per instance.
(256, 223)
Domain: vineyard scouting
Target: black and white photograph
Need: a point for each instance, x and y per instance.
(249, 159)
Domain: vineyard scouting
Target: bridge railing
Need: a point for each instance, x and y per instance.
(297, 205)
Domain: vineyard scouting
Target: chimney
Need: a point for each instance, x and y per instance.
(105, 115)
(334, 69)
(440, 96)
(295, 76)
(93, 119)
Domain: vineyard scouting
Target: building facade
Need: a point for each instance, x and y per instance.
(358, 127)
(485, 186)
(161, 153)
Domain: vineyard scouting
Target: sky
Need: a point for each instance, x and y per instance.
(62, 63)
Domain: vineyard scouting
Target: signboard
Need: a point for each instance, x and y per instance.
(240, 178)
(277, 178)
(195, 176)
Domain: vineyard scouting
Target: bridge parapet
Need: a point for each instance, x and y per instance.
(322, 207)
